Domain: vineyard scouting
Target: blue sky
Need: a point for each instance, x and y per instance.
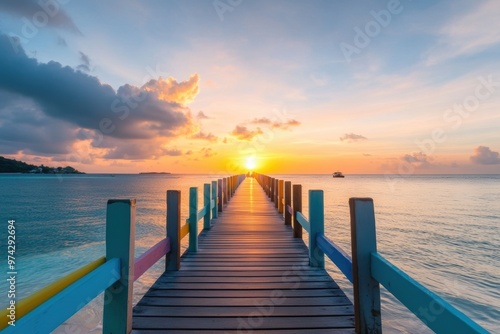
(303, 86)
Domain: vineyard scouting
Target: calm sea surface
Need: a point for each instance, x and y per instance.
(443, 230)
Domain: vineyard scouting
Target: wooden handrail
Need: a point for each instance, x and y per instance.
(337, 255)
(28, 304)
(150, 257)
(413, 295)
(302, 220)
(56, 310)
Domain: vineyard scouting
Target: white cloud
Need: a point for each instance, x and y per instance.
(470, 34)
(485, 156)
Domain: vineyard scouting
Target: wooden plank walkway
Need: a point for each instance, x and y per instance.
(249, 275)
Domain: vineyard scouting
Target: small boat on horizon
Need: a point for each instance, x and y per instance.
(338, 174)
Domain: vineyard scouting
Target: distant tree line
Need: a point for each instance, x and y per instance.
(14, 166)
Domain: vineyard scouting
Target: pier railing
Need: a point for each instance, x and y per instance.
(367, 269)
(114, 274)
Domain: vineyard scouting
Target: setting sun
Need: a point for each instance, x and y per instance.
(250, 163)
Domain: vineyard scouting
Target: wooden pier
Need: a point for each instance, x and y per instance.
(248, 275)
(248, 271)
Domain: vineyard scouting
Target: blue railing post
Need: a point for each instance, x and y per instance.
(193, 219)
(288, 202)
(173, 260)
(120, 243)
(215, 211)
(366, 289)
(206, 204)
(317, 221)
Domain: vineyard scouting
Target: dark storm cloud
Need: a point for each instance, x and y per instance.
(82, 100)
(85, 65)
(69, 105)
(25, 128)
(50, 11)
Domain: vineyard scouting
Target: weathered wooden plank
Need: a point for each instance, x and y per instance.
(263, 322)
(233, 302)
(225, 279)
(292, 284)
(261, 273)
(154, 292)
(243, 311)
(257, 331)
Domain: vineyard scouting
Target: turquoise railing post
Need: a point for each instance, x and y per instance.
(193, 219)
(206, 204)
(297, 207)
(366, 289)
(317, 220)
(173, 259)
(120, 243)
(219, 194)
(288, 202)
(215, 211)
(280, 196)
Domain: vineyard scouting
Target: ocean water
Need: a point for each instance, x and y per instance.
(443, 230)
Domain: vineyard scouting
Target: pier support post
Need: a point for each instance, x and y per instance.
(280, 196)
(267, 187)
(174, 229)
(215, 210)
(193, 219)
(297, 207)
(271, 195)
(276, 182)
(206, 204)
(366, 289)
(220, 195)
(224, 190)
(317, 220)
(288, 202)
(120, 243)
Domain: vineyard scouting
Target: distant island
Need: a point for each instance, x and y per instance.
(14, 166)
(155, 173)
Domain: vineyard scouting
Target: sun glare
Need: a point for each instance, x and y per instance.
(250, 163)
